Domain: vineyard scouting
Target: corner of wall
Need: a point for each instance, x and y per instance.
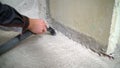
(115, 28)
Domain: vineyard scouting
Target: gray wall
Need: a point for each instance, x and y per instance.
(91, 17)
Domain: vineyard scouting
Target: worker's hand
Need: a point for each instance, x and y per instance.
(37, 26)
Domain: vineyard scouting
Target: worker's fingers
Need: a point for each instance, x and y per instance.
(45, 29)
(37, 26)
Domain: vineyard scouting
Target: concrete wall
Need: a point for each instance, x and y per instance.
(91, 17)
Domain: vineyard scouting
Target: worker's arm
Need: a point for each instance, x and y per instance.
(11, 18)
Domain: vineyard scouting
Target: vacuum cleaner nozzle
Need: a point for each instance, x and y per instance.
(51, 30)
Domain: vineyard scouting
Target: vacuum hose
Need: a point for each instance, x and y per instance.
(14, 41)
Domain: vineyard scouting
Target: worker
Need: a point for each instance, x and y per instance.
(9, 17)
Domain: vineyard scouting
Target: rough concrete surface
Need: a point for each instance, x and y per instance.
(46, 51)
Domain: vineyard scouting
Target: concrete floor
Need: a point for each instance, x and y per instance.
(46, 51)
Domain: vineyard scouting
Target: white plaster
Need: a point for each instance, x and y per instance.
(115, 28)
